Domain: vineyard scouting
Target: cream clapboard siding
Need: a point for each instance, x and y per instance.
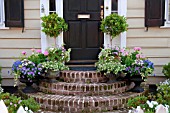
(13, 41)
(155, 42)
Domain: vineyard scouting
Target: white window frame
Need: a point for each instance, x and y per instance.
(167, 18)
(2, 22)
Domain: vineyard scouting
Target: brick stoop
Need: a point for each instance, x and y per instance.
(81, 104)
(83, 77)
(63, 88)
(83, 92)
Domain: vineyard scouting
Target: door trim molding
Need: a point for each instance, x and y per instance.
(122, 10)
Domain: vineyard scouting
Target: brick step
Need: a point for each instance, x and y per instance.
(83, 77)
(80, 104)
(62, 88)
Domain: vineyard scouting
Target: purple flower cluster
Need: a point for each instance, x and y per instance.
(27, 69)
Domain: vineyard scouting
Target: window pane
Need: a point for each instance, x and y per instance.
(52, 5)
(114, 5)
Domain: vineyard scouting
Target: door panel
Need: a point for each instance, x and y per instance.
(84, 36)
(92, 34)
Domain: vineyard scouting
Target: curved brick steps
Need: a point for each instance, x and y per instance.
(83, 77)
(62, 88)
(80, 104)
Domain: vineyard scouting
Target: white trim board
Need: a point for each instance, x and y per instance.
(119, 41)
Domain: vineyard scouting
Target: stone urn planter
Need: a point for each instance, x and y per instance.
(137, 79)
(51, 76)
(28, 88)
(112, 77)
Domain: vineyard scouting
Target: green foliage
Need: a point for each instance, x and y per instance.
(37, 57)
(166, 70)
(134, 102)
(31, 104)
(108, 63)
(114, 24)
(163, 95)
(53, 25)
(14, 102)
(58, 54)
(54, 65)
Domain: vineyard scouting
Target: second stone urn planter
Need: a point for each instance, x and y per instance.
(51, 76)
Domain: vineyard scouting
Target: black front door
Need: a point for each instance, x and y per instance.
(84, 36)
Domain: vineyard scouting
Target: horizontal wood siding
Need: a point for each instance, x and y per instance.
(155, 42)
(13, 41)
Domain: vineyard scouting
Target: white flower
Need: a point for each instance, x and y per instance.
(130, 111)
(150, 104)
(154, 102)
(26, 108)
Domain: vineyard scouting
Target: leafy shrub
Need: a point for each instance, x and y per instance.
(139, 100)
(13, 103)
(114, 24)
(166, 70)
(163, 95)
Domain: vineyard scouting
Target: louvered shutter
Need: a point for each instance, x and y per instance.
(154, 13)
(14, 13)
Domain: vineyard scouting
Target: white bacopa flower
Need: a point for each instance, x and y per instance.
(150, 104)
(26, 108)
(154, 102)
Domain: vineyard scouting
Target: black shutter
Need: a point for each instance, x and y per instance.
(14, 13)
(154, 13)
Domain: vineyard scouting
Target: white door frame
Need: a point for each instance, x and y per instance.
(122, 10)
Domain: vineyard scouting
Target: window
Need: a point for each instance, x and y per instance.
(11, 13)
(2, 16)
(52, 6)
(167, 12)
(114, 6)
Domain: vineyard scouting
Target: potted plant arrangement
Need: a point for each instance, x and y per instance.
(109, 63)
(53, 25)
(113, 25)
(56, 58)
(28, 69)
(138, 67)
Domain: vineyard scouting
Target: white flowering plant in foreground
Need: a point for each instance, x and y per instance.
(150, 107)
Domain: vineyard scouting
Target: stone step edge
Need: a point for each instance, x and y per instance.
(77, 103)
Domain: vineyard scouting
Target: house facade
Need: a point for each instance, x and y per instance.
(20, 29)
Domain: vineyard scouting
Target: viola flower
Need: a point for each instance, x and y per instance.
(137, 48)
(38, 51)
(24, 52)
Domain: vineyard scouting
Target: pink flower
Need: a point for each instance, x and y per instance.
(142, 56)
(32, 50)
(38, 51)
(126, 53)
(46, 53)
(24, 52)
(137, 48)
(138, 56)
(122, 50)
